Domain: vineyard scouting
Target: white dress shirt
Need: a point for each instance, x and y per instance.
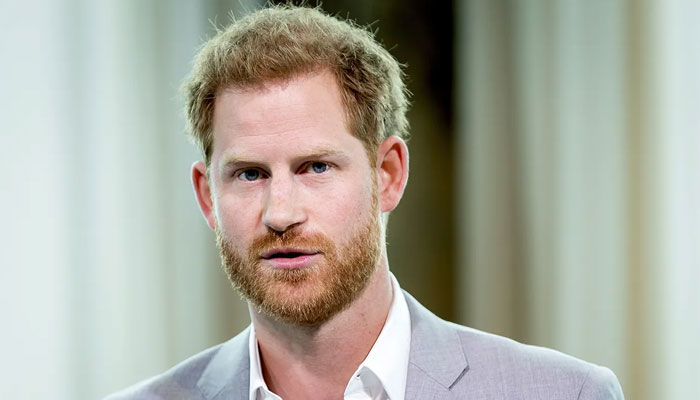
(381, 376)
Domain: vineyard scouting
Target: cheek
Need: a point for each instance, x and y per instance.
(348, 208)
(236, 217)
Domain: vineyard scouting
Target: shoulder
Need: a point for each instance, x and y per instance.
(200, 376)
(178, 382)
(521, 368)
(466, 360)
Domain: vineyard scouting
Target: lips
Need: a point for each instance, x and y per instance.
(290, 258)
(287, 253)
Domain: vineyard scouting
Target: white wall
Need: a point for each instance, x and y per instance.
(108, 272)
(579, 148)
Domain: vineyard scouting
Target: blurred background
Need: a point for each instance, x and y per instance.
(553, 197)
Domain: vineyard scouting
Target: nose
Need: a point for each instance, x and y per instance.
(282, 208)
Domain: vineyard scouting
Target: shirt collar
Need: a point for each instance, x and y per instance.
(387, 360)
(257, 382)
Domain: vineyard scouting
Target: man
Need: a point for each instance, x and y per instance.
(300, 119)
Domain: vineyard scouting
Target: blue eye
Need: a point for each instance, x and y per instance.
(250, 175)
(319, 167)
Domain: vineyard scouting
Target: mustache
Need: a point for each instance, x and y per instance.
(292, 238)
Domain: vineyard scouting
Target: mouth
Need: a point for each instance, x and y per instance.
(287, 253)
(290, 258)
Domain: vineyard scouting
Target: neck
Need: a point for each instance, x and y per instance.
(301, 362)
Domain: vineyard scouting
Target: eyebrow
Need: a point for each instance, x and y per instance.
(231, 161)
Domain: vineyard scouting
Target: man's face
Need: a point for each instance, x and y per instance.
(295, 199)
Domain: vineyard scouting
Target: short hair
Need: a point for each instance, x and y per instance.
(281, 42)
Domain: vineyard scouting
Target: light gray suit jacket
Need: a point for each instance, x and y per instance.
(447, 361)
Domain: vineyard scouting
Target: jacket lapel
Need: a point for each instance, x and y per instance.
(436, 361)
(227, 376)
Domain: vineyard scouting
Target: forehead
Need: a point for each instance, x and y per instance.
(305, 111)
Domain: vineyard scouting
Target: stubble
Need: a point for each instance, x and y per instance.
(305, 296)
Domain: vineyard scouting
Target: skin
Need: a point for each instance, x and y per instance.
(279, 130)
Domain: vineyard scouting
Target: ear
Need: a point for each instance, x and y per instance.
(392, 171)
(203, 192)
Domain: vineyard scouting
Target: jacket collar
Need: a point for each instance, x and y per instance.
(227, 374)
(437, 360)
